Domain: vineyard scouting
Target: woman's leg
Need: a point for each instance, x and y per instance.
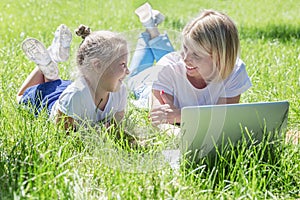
(160, 46)
(148, 51)
(144, 77)
(142, 57)
(152, 44)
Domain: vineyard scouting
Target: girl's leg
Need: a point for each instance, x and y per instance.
(45, 71)
(43, 86)
(34, 78)
(37, 53)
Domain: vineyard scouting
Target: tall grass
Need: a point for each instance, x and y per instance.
(38, 160)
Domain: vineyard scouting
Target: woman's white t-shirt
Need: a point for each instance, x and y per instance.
(77, 102)
(172, 79)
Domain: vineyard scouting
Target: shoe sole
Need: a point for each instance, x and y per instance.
(36, 51)
(158, 17)
(144, 12)
(148, 16)
(60, 47)
(64, 35)
(50, 71)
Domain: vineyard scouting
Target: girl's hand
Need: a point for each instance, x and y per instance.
(67, 122)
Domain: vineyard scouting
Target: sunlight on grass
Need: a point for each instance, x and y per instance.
(39, 161)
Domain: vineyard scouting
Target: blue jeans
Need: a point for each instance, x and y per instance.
(147, 52)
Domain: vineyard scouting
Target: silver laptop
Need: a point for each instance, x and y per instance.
(203, 128)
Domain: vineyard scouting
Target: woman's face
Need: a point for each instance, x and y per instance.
(197, 64)
(115, 74)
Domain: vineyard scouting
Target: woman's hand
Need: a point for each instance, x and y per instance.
(165, 114)
(163, 109)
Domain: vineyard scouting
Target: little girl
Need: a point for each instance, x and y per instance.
(97, 94)
(207, 71)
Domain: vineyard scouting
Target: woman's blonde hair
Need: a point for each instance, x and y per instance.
(106, 46)
(215, 34)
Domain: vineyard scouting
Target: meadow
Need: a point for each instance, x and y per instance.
(39, 161)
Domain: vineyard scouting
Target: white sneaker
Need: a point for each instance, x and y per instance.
(144, 12)
(148, 17)
(60, 48)
(37, 53)
(158, 17)
(50, 71)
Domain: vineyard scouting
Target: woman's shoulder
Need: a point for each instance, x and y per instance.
(170, 58)
(240, 64)
(239, 67)
(239, 73)
(172, 61)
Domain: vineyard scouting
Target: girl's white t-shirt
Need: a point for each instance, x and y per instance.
(172, 79)
(77, 102)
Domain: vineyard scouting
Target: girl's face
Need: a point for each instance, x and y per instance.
(115, 74)
(197, 64)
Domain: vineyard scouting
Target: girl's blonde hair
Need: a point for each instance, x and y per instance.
(215, 34)
(106, 46)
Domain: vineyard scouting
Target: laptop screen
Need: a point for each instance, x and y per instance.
(205, 127)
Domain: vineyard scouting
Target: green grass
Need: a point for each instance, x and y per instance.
(38, 160)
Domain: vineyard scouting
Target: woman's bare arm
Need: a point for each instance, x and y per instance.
(163, 110)
(230, 100)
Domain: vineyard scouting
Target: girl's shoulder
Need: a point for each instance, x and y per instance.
(78, 85)
(78, 89)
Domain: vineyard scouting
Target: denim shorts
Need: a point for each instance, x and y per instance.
(43, 96)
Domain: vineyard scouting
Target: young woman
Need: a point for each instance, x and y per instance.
(96, 95)
(207, 71)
